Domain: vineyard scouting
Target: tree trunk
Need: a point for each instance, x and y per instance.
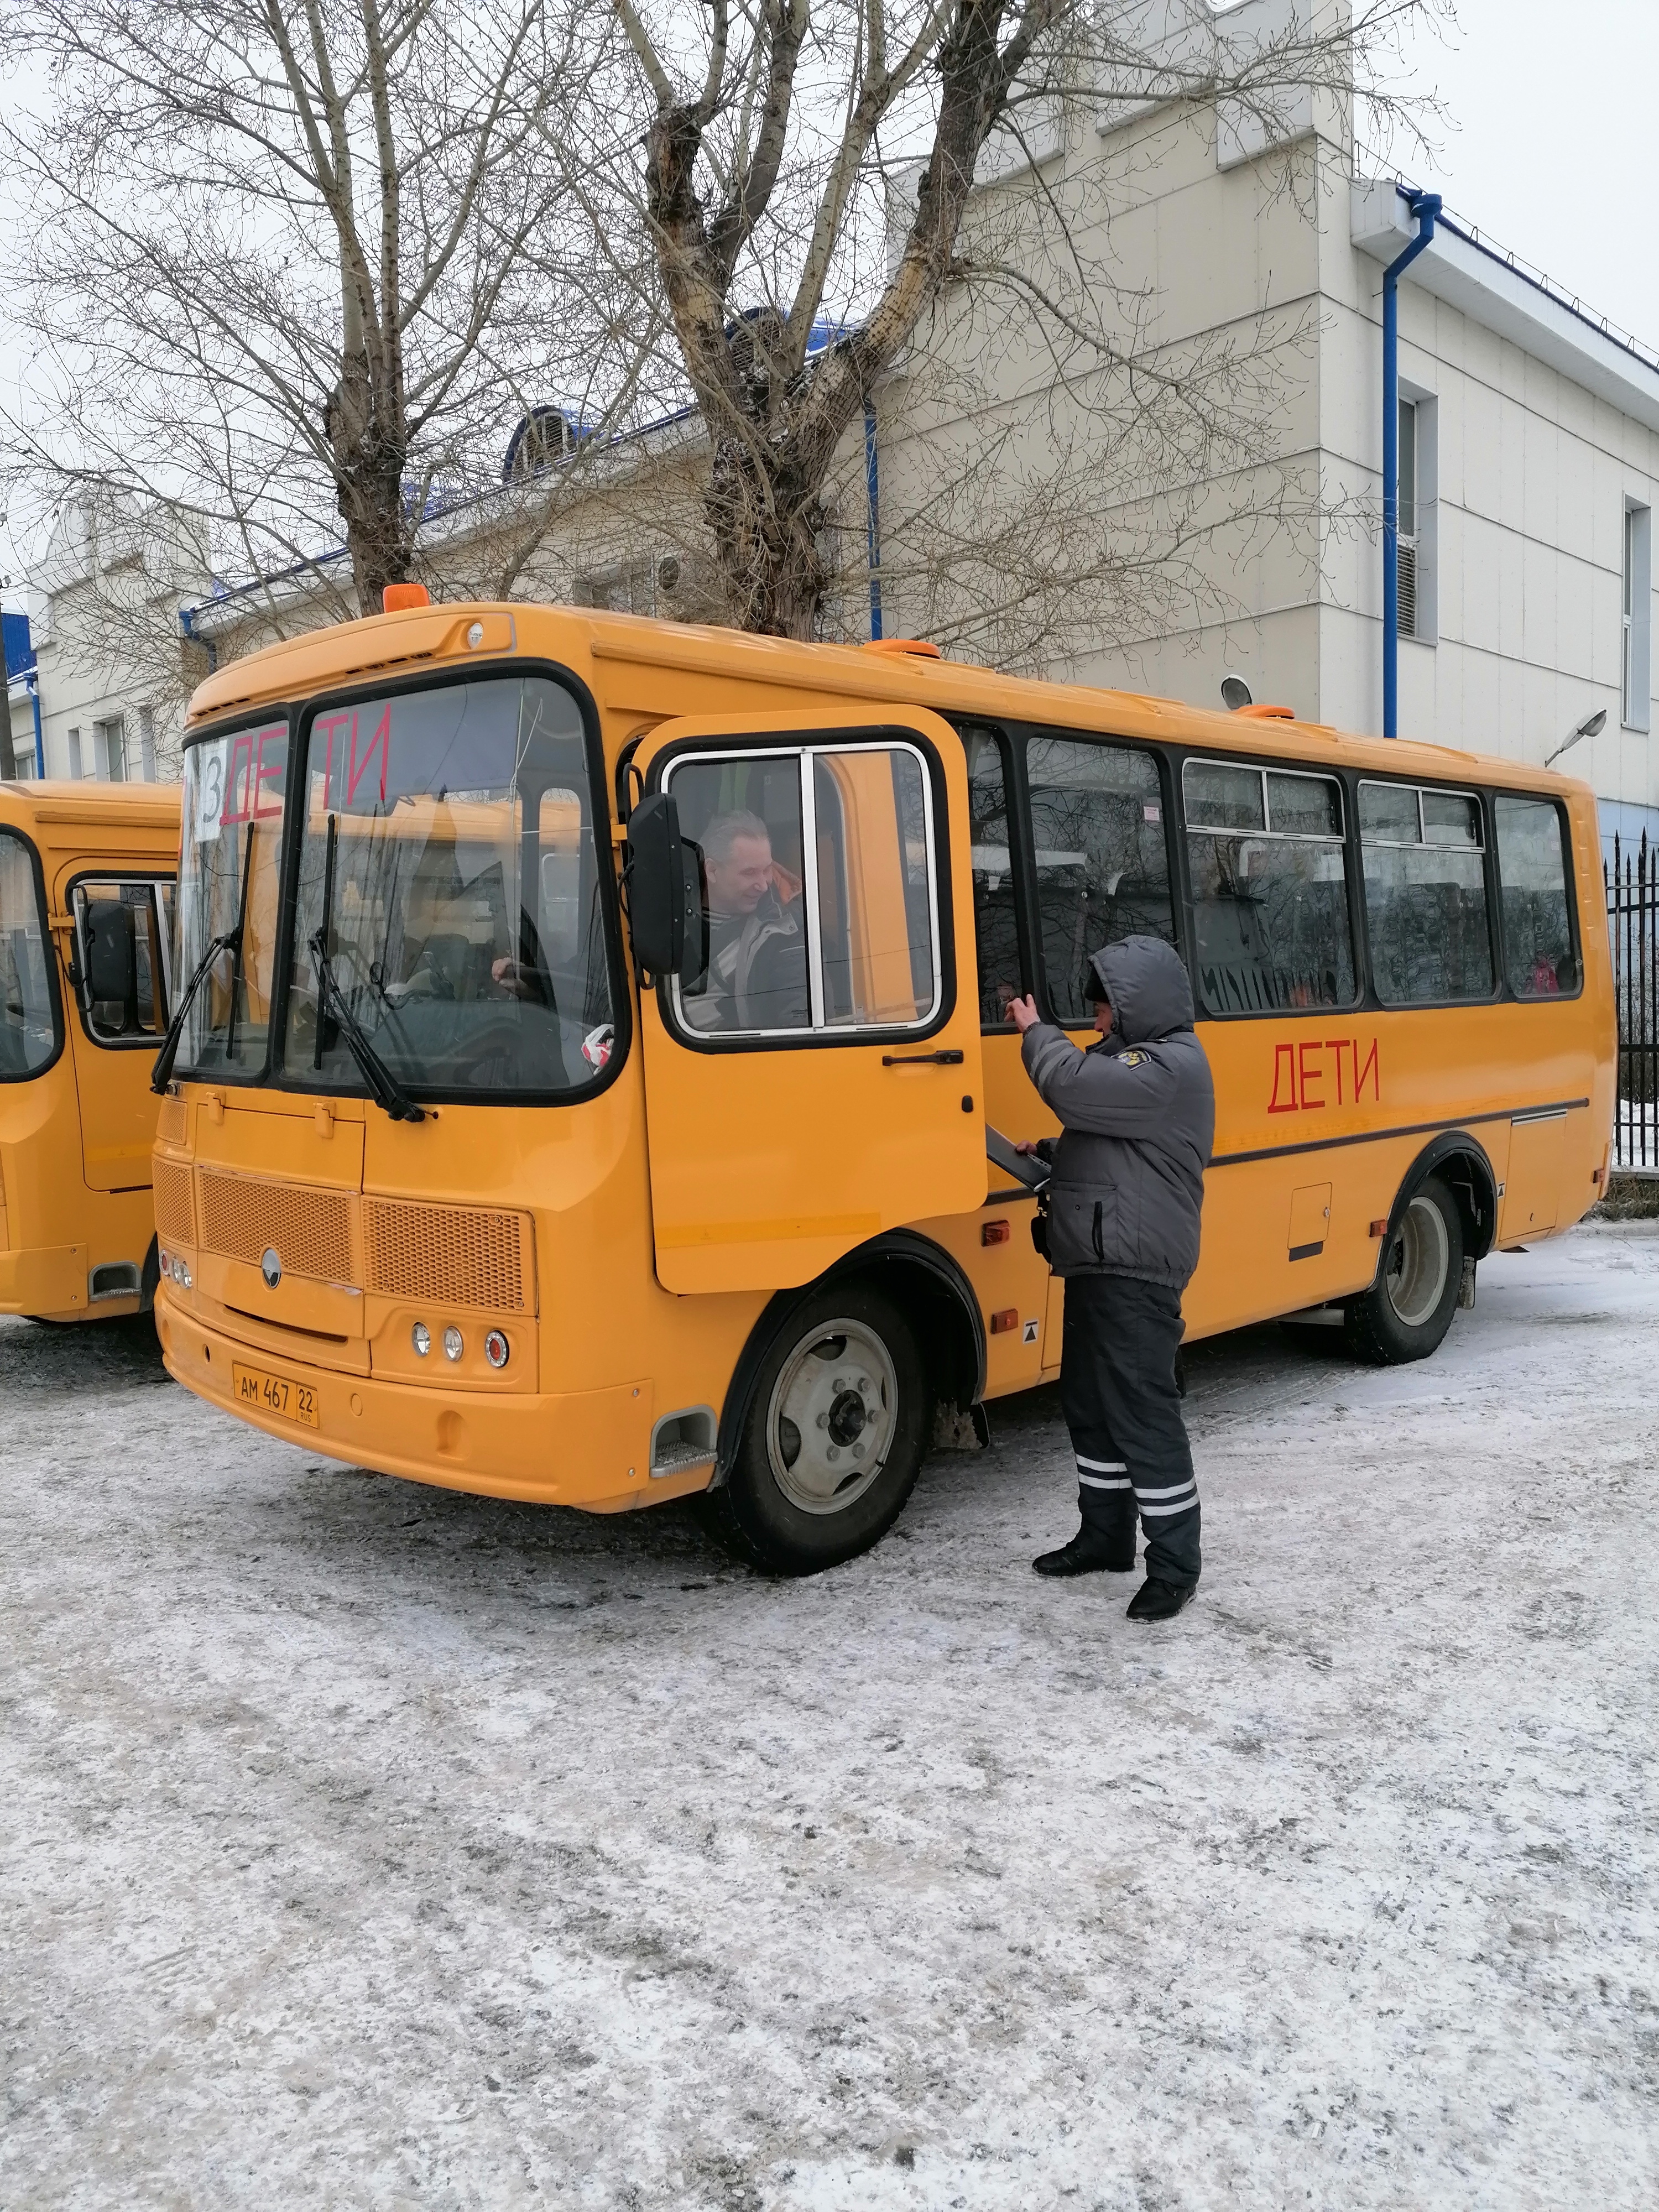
(369, 454)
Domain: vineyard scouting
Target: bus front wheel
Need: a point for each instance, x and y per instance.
(1408, 1308)
(833, 1440)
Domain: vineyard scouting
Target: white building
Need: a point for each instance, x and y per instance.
(1529, 454)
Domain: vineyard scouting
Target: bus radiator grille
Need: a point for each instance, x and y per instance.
(175, 1210)
(173, 1122)
(459, 1255)
(311, 1229)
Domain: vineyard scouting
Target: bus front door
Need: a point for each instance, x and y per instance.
(816, 1080)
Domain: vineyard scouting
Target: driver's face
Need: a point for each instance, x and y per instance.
(738, 884)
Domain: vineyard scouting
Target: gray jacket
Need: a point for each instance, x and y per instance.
(1138, 1111)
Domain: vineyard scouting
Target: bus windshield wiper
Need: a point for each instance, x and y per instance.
(384, 1087)
(228, 940)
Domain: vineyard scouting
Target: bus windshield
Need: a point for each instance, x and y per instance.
(27, 1033)
(448, 903)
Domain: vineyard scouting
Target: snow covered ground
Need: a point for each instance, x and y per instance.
(368, 1845)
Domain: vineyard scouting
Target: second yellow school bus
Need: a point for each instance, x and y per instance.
(597, 1023)
(86, 892)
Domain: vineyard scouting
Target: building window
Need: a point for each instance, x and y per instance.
(1405, 557)
(109, 743)
(147, 744)
(77, 771)
(1635, 679)
(1416, 512)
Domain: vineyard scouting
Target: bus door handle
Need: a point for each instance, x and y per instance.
(947, 1059)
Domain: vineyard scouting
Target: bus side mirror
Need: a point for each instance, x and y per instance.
(112, 977)
(664, 892)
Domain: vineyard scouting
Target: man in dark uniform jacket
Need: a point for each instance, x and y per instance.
(1138, 1115)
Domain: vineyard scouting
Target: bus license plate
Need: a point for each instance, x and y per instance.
(275, 1394)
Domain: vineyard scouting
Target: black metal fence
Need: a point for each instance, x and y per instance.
(1633, 888)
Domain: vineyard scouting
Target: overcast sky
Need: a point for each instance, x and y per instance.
(1555, 153)
(1550, 148)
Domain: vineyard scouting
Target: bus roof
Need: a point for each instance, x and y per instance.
(422, 638)
(148, 811)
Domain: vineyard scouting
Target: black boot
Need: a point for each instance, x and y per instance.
(1089, 1554)
(1156, 1601)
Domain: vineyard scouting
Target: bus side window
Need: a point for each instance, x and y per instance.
(137, 915)
(1425, 895)
(1538, 950)
(818, 872)
(27, 1025)
(1102, 865)
(1270, 895)
(996, 927)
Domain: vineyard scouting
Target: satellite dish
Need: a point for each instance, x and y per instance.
(1235, 693)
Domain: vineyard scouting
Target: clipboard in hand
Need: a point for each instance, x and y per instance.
(1023, 1167)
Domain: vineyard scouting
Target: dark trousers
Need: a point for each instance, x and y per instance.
(1117, 1391)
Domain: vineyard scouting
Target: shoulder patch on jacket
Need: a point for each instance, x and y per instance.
(1133, 1059)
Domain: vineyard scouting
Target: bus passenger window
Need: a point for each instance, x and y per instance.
(1425, 895)
(1538, 954)
(817, 873)
(1270, 894)
(996, 928)
(27, 1031)
(1102, 866)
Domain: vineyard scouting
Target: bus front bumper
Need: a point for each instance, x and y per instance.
(584, 1448)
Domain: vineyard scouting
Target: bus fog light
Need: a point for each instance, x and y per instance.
(421, 1337)
(495, 1348)
(455, 1345)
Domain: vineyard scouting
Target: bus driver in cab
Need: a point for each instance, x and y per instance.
(757, 976)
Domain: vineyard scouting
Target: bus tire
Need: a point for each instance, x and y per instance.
(1405, 1312)
(833, 1438)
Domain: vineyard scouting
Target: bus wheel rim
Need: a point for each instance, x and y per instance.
(1417, 1264)
(832, 1417)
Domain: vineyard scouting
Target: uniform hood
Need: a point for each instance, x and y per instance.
(1147, 982)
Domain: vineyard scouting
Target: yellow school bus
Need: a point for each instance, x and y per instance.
(595, 1028)
(86, 922)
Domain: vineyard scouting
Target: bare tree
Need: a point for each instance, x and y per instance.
(781, 129)
(298, 267)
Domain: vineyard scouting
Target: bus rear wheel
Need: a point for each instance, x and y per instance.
(833, 1440)
(1407, 1311)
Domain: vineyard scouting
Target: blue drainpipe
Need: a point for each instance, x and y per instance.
(186, 623)
(873, 490)
(1424, 206)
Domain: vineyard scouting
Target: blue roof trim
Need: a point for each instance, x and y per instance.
(19, 646)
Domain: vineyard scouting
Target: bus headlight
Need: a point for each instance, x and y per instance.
(496, 1348)
(454, 1344)
(421, 1337)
